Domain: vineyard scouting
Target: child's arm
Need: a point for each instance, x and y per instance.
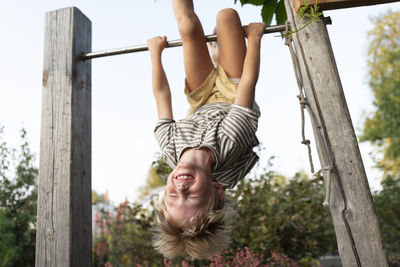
(161, 90)
(251, 67)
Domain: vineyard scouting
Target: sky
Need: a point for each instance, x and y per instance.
(123, 109)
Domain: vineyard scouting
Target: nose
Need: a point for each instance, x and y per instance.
(182, 186)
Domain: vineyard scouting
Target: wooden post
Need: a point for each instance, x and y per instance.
(357, 229)
(64, 235)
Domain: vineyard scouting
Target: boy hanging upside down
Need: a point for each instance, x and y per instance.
(212, 148)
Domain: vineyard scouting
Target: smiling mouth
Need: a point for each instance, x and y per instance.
(184, 177)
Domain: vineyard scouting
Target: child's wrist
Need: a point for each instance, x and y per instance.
(254, 38)
(155, 54)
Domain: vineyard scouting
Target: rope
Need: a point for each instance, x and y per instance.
(304, 104)
(303, 101)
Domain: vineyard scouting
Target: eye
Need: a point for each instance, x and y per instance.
(192, 197)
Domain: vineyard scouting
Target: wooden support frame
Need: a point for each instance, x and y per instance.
(64, 225)
(356, 225)
(338, 4)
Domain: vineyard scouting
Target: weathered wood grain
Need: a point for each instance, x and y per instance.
(64, 233)
(356, 225)
(338, 4)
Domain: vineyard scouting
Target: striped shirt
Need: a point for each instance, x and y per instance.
(227, 130)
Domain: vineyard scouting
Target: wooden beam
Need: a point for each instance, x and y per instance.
(338, 4)
(64, 235)
(356, 225)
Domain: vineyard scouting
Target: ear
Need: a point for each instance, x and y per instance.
(220, 190)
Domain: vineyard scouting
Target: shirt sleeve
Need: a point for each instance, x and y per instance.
(240, 125)
(235, 170)
(164, 133)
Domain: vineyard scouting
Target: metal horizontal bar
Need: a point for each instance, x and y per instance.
(173, 43)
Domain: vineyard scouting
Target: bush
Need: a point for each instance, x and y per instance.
(387, 206)
(286, 215)
(18, 198)
(124, 236)
(280, 217)
(276, 214)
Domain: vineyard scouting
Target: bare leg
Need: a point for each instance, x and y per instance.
(197, 60)
(231, 42)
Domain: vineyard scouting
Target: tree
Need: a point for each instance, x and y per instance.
(18, 198)
(387, 205)
(156, 177)
(98, 198)
(382, 126)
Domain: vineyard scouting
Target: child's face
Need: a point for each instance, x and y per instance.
(188, 191)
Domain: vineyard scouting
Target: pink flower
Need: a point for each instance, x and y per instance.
(101, 249)
(97, 220)
(166, 263)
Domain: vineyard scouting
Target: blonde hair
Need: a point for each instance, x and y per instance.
(203, 237)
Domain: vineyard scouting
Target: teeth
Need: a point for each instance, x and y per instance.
(184, 176)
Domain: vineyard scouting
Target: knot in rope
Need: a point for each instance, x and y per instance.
(303, 101)
(305, 142)
(286, 33)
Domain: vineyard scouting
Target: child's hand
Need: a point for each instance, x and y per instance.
(157, 44)
(255, 30)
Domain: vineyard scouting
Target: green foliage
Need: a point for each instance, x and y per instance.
(269, 9)
(278, 216)
(286, 215)
(122, 238)
(387, 205)
(98, 198)
(156, 177)
(382, 126)
(311, 12)
(161, 168)
(18, 198)
(7, 252)
(280, 13)
(243, 257)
